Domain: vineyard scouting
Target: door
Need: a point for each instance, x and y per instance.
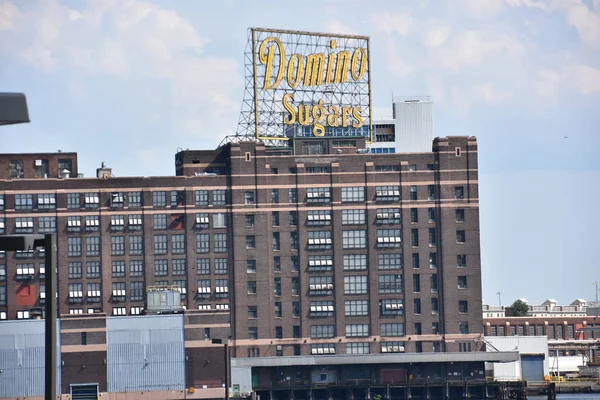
(532, 367)
(88, 391)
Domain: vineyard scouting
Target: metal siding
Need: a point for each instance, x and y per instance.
(242, 376)
(22, 358)
(532, 368)
(145, 353)
(414, 126)
(524, 345)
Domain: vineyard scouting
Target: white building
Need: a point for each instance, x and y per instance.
(408, 130)
(534, 361)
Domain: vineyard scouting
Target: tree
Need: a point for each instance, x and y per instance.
(519, 308)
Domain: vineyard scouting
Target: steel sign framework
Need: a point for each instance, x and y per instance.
(305, 84)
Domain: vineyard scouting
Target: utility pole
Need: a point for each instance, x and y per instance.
(499, 298)
(597, 285)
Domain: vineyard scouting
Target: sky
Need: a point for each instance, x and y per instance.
(129, 82)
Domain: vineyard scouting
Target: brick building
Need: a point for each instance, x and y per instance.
(316, 249)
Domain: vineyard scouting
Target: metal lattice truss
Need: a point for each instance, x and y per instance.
(305, 71)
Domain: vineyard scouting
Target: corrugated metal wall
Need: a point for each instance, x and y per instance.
(145, 353)
(414, 126)
(22, 358)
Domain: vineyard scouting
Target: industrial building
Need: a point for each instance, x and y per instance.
(319, 263)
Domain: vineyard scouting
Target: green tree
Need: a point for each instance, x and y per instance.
(519, 308)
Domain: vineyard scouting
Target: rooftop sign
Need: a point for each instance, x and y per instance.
(306, 84)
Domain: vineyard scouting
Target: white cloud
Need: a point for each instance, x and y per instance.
(393, 23)
(437, 36)
(482, 8)
(585, 20)
(586, 78)
(529, 4)
(337, 26)
(490, 94)
(548, 82)
(134, 40)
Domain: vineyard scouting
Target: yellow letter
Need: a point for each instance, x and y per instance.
(292, 80)
(287, 99)
(356, 113)
(346, 112)
(314, 69)
(304, 115)
(267, 58)
(319, 130)
(330, 62)
(341, 66)
(333, 119)
(356, 75)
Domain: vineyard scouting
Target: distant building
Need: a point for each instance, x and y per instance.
(408, 130)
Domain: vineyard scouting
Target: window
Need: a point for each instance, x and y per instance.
(23, 201)
(319, 240)
(117, 200)
(74, 247)
(431, 215)
(92, 223)
(277, 264)
(219, 197)
(416, 283)
(314, 147)
(202, 243)
(413, 193)
(251, 266)
(463, 306)
(318, 195)
(277, 286)
(252, 312)
(431, 192)
(293, 218)
(73, 224)
(463, 328)
(136, 268)
(294, 240)
(2, 272)
(73, 200)
(161, 267)
(221, 288)
(160, 244)
(203, 266)
(119, 291)
(201, 198)
(389, 261)
(293, 195)
(459, 192)
(357, 330)
(134, 199)
(253, 333)
(391, 329)
(178, 267)
(390, 284)
(160, 221)
(135, 222)
(203, 289)
(75, 292)
(356, 239)
(321, 309)
(354, 308)
(355, 285)
(275, 196)
(435, 305)
(178, 244)
(274, 171)
(220, 243)
(221, 266)
(392, 307)
(251, 287)
(250, 242)
(432, 260)
(136, 291)
(387, 168)
(249, 220)
(177, 198)
(75, 270)
(318, 170)
(159, 199)
(41, 168)
(296, 286)
(432, 237)
(278, 309)
(47, 201)
(219, 220)
(276, 241)
(388, 216)
(118, 269)
(416, 261)
(24, 225)
(353, 217)
(47, 224)
(459, 215)
(414, 215)
(355, 262)
(117, 245)
(296, 314)
(461, 261)
(92, 269)
(460, 236)
(295, 263)
(92, 200)
(117, 223)
(384, 194)
(136, 245)
(462, 282)
(319, 285)
(322, 331)
(414, 237)
(2, 295)
(388, 238)
(248, 197)
(353, 194)
(318, 217)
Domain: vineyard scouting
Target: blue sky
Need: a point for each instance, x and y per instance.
(130, 81)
